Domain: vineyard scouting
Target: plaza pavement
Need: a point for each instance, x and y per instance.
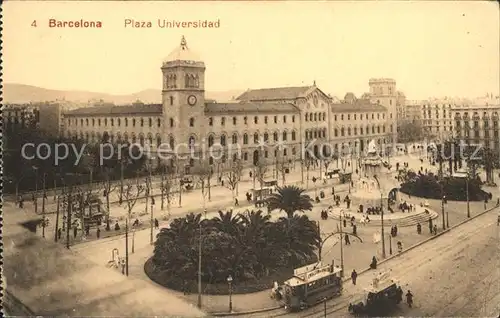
(357, 255)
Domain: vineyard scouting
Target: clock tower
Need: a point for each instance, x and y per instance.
(183, 98)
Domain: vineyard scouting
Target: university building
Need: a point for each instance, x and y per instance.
(270, 125)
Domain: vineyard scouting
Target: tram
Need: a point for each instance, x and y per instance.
(310, 285)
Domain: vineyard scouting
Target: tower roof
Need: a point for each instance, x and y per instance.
(182, 53)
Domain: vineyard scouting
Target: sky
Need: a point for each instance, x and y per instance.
(429, 48)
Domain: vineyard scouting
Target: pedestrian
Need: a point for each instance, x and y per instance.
(98, 233)
(419, 229)
(435, 229)
(347, 241)
(354, 275)
(373, 264)
(157, 224)
(75, 231)
(21, 203)
(117, 226)
(345, 222)
(430, 225)
(59, 233)
(236, 203)
(87, 230)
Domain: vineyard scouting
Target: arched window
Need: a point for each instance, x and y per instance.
(342, 132)
(293, 135)
(141, 139)
(284, 136)
(266, 137)
(336, 132)
(158, 141)
(191, 122)
(150, 139)
(373, 129)
(378, 129)
(234, 138)
(256, 138)
(223, 140)
(171, 143)
(275, 136)
(105, 122)
(210, 140)
(245, 139)
(348, 131)
(187, 81)
(191, 142)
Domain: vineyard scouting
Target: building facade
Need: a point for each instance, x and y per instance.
(478, 123)
(269, 125)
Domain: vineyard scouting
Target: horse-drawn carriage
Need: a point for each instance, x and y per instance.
(377, 300)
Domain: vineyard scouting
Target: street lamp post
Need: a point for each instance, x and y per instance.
(390, 244)
(341, 245)
(133, 240)
(467, 193)
(381, 216)
(43, 207)
(152, 221)
(230, 281)
(324, 305)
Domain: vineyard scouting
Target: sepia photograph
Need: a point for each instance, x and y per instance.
(250, 159)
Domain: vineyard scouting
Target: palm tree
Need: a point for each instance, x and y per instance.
(289, 199)
(227, 222)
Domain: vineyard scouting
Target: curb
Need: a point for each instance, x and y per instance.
(241, 313)
(368, 269)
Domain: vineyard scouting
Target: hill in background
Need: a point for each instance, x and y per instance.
(20, 93)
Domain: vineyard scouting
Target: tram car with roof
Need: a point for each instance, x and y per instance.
(383, 295)
(311, 285)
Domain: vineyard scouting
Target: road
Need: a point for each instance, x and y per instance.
(454, 275)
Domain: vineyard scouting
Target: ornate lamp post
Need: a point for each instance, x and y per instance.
(230, 283)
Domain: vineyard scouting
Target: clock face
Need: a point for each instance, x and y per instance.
(192, 100)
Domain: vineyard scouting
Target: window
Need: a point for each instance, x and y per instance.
(223, 140)
(210, 121)
(118, 122)
(265, 119)
(255, 138)
(171, 100)
(335, 117)
(126, 122)
(349, 131)
(315, 117)
(87, 122)
(293, 118)
(158, 122)
(105, 122)
(348, 116)
(293, 135)
(373, 116)
(223, 121)
(342, 117)
(378, 115)
(245, 156)
(112, 122)
(150, 122)
(133, 122)
(245, 139)
(245, 120)
(284, 152)
(336, 132)
(284, 119)
(256, 120)
(93, 122)
(284, 136)
(234, 138)
(354, 116)
(171, 122)
(81, 122)
(191, 122)
(342, 131)
(234, 121)
(276, 119)
(266, 137)
(306, 118)
(142, 122)
(98, 122)
(210, 140)
(275, 136)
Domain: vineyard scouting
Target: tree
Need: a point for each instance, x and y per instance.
(233, 177)
(289, 199)
(203, 173)
(307, 163)
(282, 168)
(109, 187)
(410, 131)
(131, 195)
(260, 171)
(166, 184)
